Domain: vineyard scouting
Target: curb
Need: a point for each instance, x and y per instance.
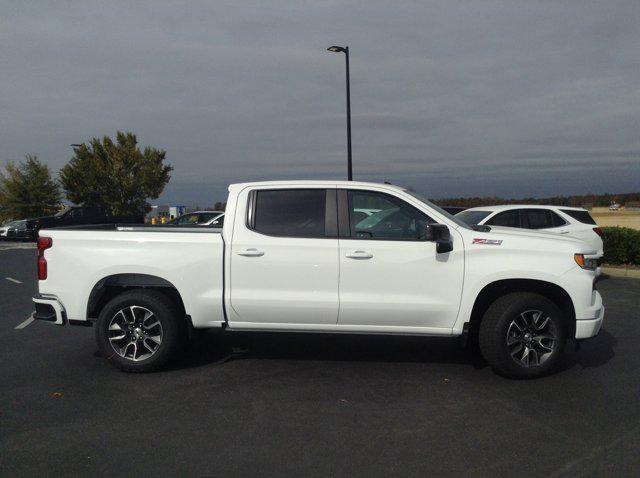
(630, 273)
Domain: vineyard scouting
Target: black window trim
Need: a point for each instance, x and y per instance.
(330, 218)
(344, 224)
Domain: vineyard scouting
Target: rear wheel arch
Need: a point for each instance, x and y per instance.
(493, 291)
(111, 286)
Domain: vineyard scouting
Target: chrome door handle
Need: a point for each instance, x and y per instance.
(359, 255)
(251, 252)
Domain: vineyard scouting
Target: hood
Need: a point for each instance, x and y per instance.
(536, 239)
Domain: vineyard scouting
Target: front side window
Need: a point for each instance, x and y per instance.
(380, 216)
(507, 219)
(290, 212)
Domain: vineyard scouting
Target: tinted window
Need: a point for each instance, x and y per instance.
(380, 216)
(290, 212)
(556, 219)
(472, 217)
(582, 216)
(75, 214)
(507, 218)
(538, 218)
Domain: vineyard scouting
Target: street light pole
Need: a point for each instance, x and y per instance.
(345, 50)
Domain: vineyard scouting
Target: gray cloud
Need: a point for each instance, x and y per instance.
(451, 98)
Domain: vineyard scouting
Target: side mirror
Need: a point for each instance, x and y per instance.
(439, 233)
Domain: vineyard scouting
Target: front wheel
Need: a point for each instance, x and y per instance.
(522, 335)
(139, 330)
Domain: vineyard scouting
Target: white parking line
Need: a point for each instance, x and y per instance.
(22, 325)
(11, 279)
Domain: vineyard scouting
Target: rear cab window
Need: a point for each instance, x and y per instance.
(291, 212)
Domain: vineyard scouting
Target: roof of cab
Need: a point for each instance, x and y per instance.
(328, 182)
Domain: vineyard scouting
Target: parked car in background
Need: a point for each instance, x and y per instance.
(14, 231)
(78, 216)
(3, 230)
(614, 206)
(199, 218)
(570, 221)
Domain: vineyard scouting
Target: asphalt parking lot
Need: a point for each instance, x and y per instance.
(311, 405)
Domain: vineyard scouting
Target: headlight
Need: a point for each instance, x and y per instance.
(588, 264)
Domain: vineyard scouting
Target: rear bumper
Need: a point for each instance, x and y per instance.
(594, 316)
(49, 309)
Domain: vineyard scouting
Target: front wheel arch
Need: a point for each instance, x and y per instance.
(493, 291)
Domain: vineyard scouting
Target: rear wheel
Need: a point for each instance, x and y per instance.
(140, 330)
(522, 335)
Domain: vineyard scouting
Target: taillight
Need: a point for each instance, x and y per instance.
(598, 231)
(43, 244)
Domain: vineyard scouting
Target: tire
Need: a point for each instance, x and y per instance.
(517, 341)
(130, 338)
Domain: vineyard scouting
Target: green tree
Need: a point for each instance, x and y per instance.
(118, 176)
(27, 190)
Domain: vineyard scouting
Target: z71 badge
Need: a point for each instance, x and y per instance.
(487, 242)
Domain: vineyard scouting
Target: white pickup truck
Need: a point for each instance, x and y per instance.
(322, 256)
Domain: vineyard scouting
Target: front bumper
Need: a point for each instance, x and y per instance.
(594, 316)
(49, 309)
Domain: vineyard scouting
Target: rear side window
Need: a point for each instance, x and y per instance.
(538, 218)
(507, 219)
(556, 219)
(582, 216)
(290, 212)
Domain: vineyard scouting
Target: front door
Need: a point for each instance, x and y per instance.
(284, 258)
(389, 274)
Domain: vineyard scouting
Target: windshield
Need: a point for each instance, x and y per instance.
(472, 217)
(439, 209)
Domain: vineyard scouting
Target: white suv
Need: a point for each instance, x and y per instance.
(573, 221)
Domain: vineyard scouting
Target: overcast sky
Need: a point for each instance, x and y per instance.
(452, 98)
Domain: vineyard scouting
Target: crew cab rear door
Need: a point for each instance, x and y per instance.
(284, 266)
(390, 276)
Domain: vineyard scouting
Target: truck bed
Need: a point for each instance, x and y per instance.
(85, 258)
